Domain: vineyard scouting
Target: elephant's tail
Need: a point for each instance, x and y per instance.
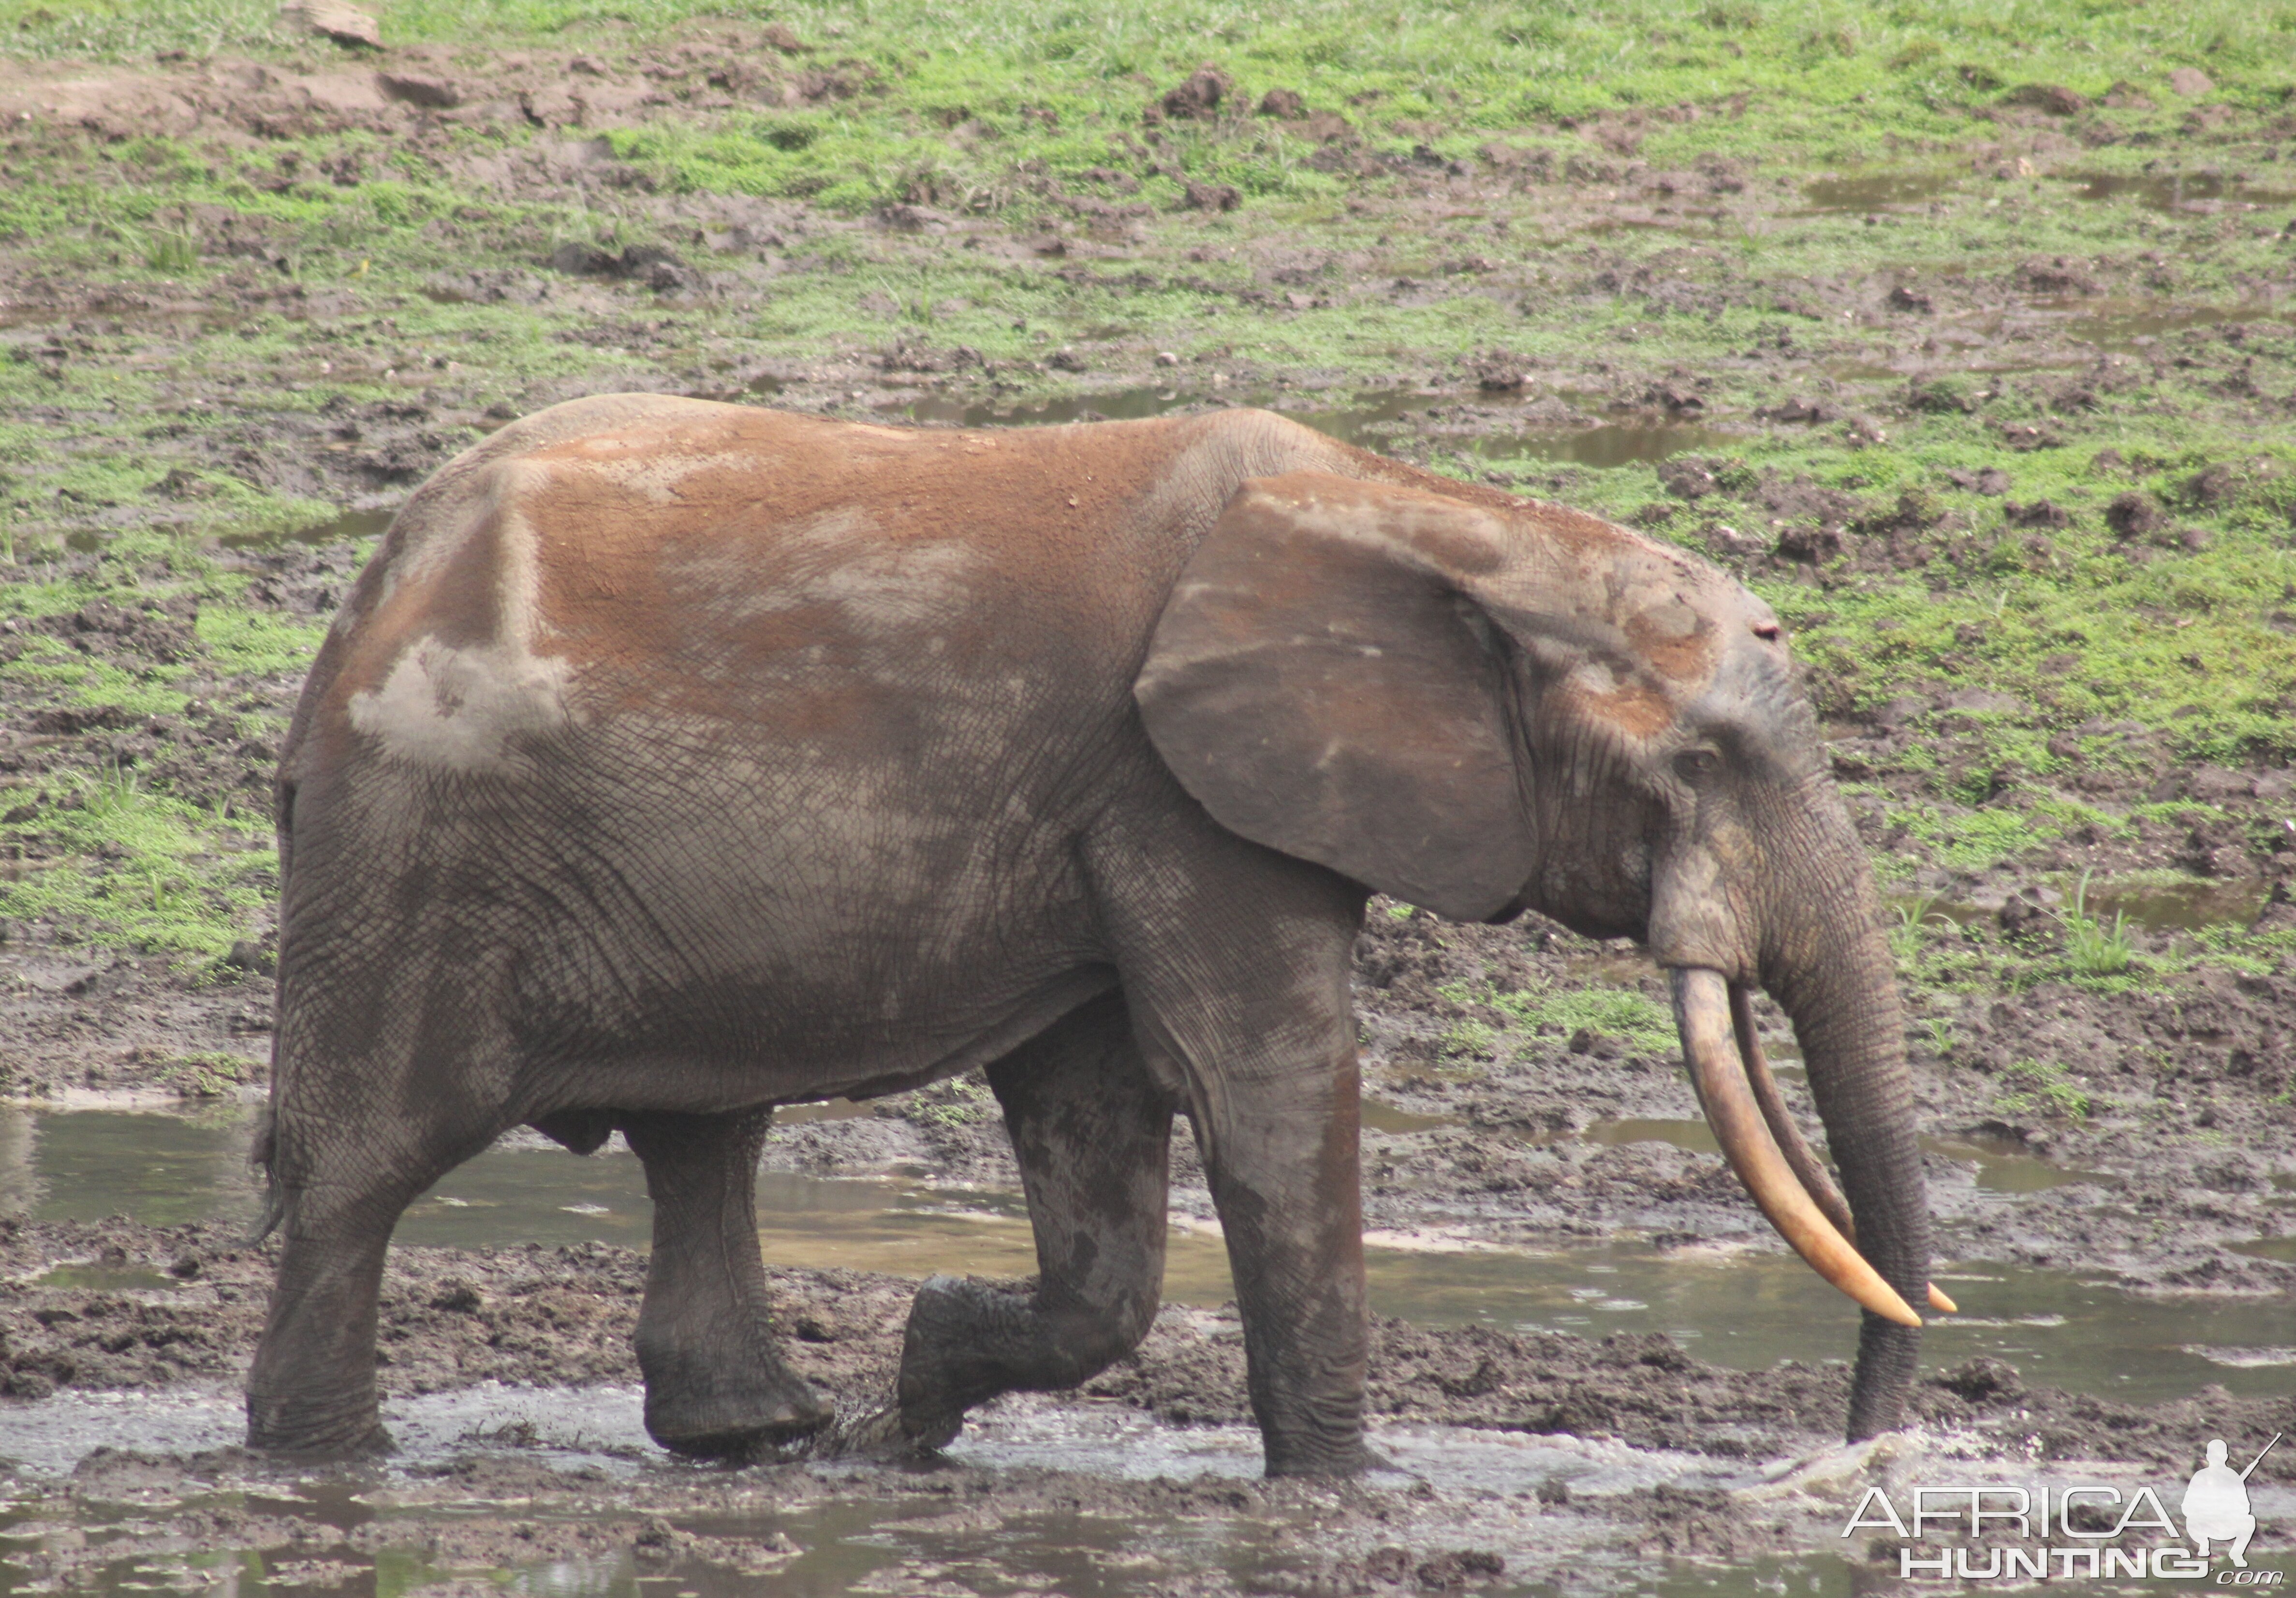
(275, 1197)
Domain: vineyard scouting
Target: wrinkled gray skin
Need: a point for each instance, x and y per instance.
(672, 761)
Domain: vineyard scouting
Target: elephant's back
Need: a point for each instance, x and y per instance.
(632, 555)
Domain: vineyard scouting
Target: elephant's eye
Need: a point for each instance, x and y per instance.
(1694, 766)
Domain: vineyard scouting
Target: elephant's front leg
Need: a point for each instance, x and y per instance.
(1280, 1156)
(1092, 1134)
(715, 1380)
(1236, 969)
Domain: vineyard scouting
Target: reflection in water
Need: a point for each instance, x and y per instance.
(2189, 906)
(2181, 906)
(2127, 324)
(350, 524)
(1747, 1310)
(1379, 1116)
(1875, 191)
(2174, 191)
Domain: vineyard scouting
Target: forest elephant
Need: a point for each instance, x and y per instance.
(673, 760)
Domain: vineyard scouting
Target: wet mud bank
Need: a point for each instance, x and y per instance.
(510, 1385)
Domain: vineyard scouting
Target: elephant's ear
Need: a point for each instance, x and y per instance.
(1323, 683)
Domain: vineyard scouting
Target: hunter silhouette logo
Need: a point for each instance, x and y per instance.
(2082, 1531)
(2216, 1504)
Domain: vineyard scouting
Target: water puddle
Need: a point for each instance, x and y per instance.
(2189, 906)
(1875, 191)
(2002, 1167)
(2177, 192)
(2180, 906)
(1736, 1308)
(2133, 324)
(1379, 1116)
(393, 1532)
(1374, 422)
(348, 525)
(377, 1532)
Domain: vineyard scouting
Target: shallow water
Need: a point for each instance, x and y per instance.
(871, 1528)
(350, 524)
(2173, 191)
(887, 1541)
(2190, 906)
(1729, 1306)
(1875, 191)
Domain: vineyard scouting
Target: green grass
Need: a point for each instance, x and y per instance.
(2043, 1089)
(994, 111)
(143, 870)
(1912, 923)
(1854, 66)
(2091, 947)
(1611, 1012)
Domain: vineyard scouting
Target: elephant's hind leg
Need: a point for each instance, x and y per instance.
(715, 1380)
(338, 1185)
(1093, 1136)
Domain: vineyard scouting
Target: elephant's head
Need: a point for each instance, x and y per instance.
(1481, 704)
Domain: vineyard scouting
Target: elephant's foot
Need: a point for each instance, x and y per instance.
(965, 1343)
(695, 1408)
(303, 1428)
(1291, 1458)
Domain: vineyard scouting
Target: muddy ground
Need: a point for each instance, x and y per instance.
(2160, 1102)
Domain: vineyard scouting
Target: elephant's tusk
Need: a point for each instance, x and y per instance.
(1807, 1167)
(1702, 1009)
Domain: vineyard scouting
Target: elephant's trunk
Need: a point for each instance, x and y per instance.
(1829, 965)
(1824, 955)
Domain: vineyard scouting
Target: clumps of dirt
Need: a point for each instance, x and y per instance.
(2134, 514)
(1198, 99)
(187, 1304)
(156, 1307)
(414, 93)
(658, 269)
(2207, 1049)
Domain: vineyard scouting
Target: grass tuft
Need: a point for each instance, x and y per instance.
(2091, 947)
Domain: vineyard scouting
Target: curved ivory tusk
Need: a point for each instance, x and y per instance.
(1803, 1159)
(1702, 1009)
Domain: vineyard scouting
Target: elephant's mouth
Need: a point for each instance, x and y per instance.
(1766, 1148)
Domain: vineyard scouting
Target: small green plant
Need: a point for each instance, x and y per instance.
(171, 249)
(1471, 1040)
(1915, 917)
(110, 793)
(1619, 1013)
(2042, 1089)
(2092, 948)
(209, 1074)
(959, 1102)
